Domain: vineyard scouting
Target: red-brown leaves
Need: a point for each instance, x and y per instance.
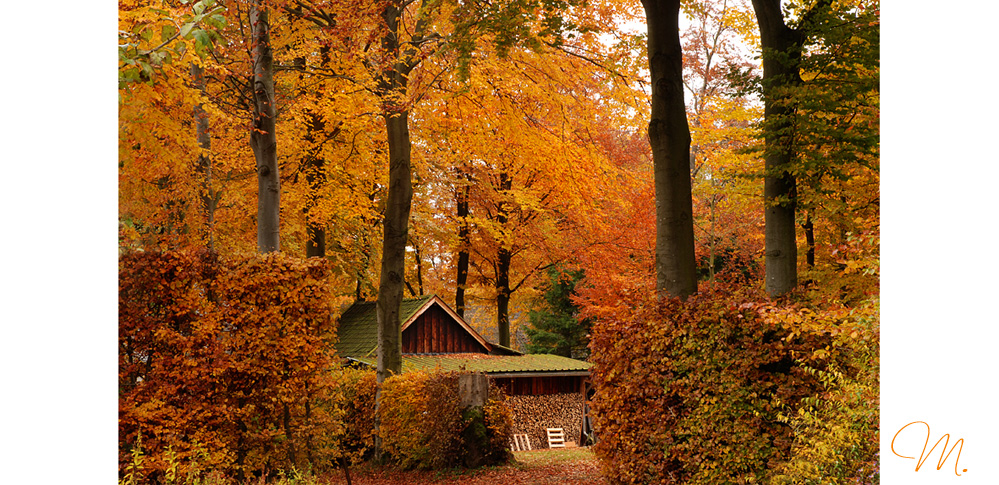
(224, 362)
(692, 391)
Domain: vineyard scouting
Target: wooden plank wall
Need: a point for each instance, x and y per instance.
(435, 332)
(538, 386)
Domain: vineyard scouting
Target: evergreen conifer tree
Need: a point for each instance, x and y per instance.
(555, 326)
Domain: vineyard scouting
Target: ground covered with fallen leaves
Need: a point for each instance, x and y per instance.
(570, 465)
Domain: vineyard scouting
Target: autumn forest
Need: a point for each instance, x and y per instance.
(690, 188)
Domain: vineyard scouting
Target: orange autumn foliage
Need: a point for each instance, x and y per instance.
(224, 363)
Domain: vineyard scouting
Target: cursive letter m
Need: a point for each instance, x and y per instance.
(924, 455)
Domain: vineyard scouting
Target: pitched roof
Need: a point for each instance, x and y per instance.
(358, 330)
(490, 364)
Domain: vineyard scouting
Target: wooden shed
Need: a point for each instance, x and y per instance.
(544, 390)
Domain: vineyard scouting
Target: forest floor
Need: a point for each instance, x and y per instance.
(546, 466)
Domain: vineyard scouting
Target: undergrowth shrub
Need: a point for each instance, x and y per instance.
(355, 403)
(422, 424)
(711, 390)
(498, 420)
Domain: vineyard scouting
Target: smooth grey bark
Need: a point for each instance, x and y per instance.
(263, 138)
(669, 136)
(781, 56)
(396, 234)
(204, 164)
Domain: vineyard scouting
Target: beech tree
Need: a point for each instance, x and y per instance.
(263, 138)
(819, 88)
(669, 135)
(781, 54)
(392, 88)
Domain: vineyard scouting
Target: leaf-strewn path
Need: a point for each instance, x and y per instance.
(569, 466)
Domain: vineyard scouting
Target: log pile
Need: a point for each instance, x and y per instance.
(532, 414)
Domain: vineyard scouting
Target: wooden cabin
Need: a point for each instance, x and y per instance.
(543, 390)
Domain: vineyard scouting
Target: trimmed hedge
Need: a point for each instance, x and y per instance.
(223, 364)
(699, 391)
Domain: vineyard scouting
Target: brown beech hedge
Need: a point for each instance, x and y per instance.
(699, 391)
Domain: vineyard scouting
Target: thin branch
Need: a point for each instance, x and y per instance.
(562, 47)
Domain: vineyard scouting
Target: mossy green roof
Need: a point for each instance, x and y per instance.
(358, 330)
(490, 364)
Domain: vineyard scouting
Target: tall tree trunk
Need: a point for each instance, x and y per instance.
(781, 54)
(809, 228)
(669, 136)
(463, 246)
(263, 138)
(315, 177)
(504, 256)
(503, 259)
(392, 89)
(204, 165)
(396, 234)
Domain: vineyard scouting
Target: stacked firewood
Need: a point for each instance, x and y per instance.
(532, 414)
